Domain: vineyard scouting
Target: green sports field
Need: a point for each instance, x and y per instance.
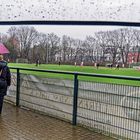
(85, 69)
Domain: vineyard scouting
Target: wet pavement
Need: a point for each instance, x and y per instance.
(21, 124)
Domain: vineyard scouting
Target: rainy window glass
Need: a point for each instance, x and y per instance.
(99, 37)
(93, 10)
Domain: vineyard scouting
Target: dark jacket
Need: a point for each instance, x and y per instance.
(5, 77)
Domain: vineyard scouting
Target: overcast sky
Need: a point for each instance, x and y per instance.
(79, 32)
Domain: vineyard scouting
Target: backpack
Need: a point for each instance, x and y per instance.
(3, 84)
(5, 72)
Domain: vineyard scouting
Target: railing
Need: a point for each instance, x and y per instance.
(109, 108)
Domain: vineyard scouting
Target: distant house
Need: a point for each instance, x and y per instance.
(133, 57)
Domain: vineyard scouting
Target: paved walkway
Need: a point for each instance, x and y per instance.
(20, 124)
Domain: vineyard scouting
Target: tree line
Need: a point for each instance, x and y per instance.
(114, 46)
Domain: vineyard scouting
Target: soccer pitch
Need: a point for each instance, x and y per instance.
(84, 69)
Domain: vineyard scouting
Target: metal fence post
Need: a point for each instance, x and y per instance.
(75, 99)
(18, 88)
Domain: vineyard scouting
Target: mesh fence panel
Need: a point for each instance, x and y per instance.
(110, 108)
(51, 96)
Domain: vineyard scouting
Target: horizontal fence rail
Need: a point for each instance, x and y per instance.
(112, 109)
(81, 74)
(56, 22)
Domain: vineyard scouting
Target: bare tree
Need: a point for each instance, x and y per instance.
(3, 37)
(79, 51)
(26, 36)
(90, 46)
(67, 48)
(12, 32)
(101, 44)
(43, 42)
(112, 42)
(126, 41)
(137, 43)
(54, 42)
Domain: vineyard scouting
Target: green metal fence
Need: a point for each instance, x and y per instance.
(113, 109)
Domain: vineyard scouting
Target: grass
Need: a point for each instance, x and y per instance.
(85, 69)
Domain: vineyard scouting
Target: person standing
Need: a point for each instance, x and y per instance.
(75, 64)
(117, 66)
(37, 62)
(5, 80)
(59, 63)
(97, 65)
(82, 64)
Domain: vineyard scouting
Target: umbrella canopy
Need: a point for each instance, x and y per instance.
(3, 49)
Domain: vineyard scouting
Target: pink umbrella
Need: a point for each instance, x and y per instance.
(3, 49)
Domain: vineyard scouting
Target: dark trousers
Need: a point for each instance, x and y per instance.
(1, 103)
